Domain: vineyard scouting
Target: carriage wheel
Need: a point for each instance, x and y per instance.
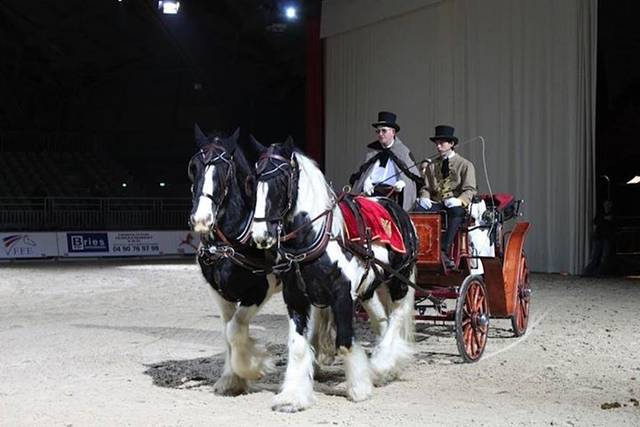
(520, 319)
(472, 319)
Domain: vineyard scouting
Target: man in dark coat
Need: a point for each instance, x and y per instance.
(389, 168)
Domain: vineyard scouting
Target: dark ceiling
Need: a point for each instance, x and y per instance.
(125, 77)
(123, 74)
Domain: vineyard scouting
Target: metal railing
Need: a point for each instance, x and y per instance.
(76, 213)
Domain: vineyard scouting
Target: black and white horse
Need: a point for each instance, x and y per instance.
(222, 191)
(297, 217)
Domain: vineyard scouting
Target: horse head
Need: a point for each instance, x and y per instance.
(212, 172)
(277, 175)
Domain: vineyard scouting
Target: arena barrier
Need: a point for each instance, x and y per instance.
(72, 244)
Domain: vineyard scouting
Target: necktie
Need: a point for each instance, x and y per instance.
(445, 168)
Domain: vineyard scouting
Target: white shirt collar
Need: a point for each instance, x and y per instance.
(450, 155)
(390, 145)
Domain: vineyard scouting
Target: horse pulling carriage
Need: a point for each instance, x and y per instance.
(281, 226)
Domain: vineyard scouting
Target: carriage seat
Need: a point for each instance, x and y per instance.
(504, 203)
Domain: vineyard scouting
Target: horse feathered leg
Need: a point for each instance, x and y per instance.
(248, 359)
(377, 314)
(297, 389)
(321, 335)
(229, 384)
(395, 349)
(356, 363)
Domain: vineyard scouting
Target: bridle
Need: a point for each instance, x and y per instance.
(268, 165)
(216, 155)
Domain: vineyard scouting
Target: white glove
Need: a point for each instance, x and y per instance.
(367, 188)
(452, 202)
(399, 185)
(425, 202)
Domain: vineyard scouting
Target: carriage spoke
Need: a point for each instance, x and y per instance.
(476, 339)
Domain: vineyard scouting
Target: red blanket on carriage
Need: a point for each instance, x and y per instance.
(376, 218)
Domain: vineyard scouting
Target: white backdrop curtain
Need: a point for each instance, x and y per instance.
(520, 73)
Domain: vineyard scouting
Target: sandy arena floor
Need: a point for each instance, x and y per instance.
(115, 343)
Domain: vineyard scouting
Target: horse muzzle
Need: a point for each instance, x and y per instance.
(264, 240)
(202, 224)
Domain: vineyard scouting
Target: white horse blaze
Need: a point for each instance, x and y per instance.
(259, 229)
(203, 218)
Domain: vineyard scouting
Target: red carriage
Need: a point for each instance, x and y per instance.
(499, 289)
(484, 283)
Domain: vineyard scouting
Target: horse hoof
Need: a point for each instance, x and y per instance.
(286, 408)
(359, 394)
(230, 385)
(287, 402)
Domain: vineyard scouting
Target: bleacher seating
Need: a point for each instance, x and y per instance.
(60, 174)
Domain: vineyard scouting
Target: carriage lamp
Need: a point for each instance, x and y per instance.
(169, 7)
(634, 180)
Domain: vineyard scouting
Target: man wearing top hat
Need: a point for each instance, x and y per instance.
(389, 168)
(449, 184)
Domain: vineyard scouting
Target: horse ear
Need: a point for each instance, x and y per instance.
(288, 144)
(230, 143)
(200, 137)
(256, 145)
(252, 148)
(235, 135)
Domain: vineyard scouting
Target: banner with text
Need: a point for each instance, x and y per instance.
(126, 243)
(28, 245)
(97, 244)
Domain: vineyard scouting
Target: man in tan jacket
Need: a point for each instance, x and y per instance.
(449, 184)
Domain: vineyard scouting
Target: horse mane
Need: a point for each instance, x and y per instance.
(317, 196)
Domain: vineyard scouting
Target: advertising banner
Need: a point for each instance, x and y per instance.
(126, 243)
(28, 245)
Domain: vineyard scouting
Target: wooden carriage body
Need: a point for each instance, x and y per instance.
(502, 291)
(501, 274)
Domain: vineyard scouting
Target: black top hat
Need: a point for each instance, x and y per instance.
(444, 132)
(385, 118)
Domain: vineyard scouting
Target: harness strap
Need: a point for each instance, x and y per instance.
(328, 211)
(215, 253)
(359, 251)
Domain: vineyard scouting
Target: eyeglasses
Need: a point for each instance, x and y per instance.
(382, 130)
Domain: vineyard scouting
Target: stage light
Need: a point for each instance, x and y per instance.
(124, 185)
(169, 7)
(634, 180)
(291, 12)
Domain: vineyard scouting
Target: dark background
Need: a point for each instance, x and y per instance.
(126, 81)
(618, 104)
